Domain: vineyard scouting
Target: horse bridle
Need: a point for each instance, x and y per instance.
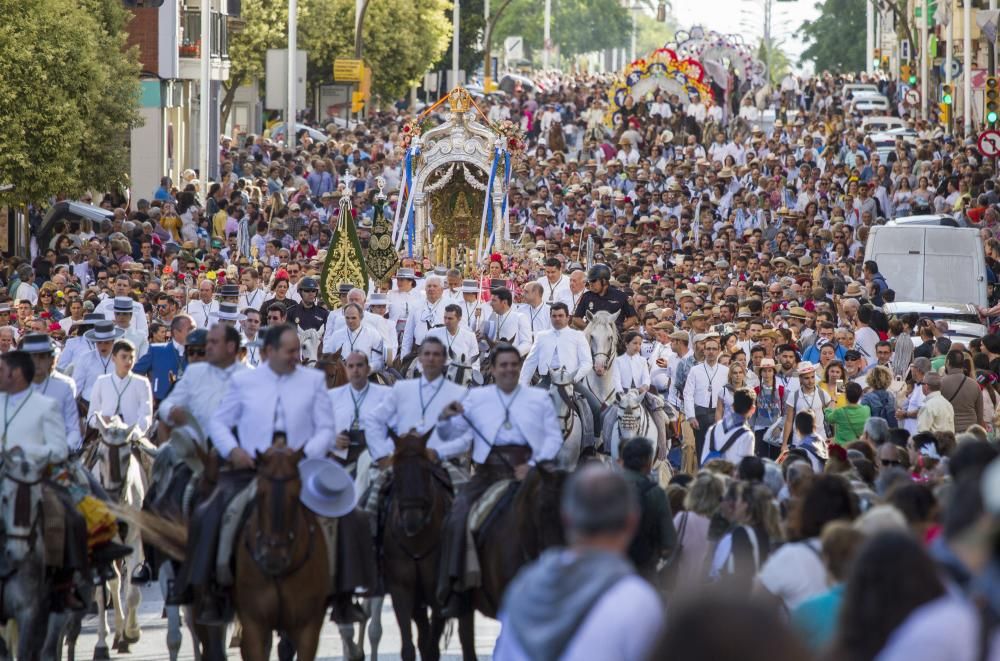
(566, 421)
(24, 490)
(275, 542)
(115, 465)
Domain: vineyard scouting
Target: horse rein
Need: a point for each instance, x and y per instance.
(32, 524)
(279, 545)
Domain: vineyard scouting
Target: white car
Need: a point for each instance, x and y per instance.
(869, 105)
(882, 123)
(847, 92)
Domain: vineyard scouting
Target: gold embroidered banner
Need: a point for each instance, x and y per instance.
(382, 259)
(345, 263)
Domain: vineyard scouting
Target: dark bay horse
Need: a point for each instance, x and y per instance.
(419, 499)
(333, 366)
(518, 534)
(282, 574)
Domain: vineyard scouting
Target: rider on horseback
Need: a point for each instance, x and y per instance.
(505, 439)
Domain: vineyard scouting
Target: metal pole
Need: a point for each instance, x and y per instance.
(293, 37)
(634, 29)
(359, 17)
(767, 40)
(486, 47)
(204, 139)
(869, 35)
(923, 58)
(547, 35)
(455, 18)
(947, 62)
(967, 66)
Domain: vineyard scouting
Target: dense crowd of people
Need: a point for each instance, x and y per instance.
(833, 465)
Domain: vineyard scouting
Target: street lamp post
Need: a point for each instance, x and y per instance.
(204, 120)
(293, 37)
(456, 16)
(547, 35)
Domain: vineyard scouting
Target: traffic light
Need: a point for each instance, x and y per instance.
(944, 113)
(877, 58)
(905, 75)
(885, 63)
(357, 101)
(992, 98)
(946, 95)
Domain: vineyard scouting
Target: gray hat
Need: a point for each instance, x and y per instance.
(197, 338)
(309, 284)
(470, 286)
(378, 298)
(104, 331)
(228, 312)
(123, 305)
(327, 489)
(37, 343)
(406, 273)
(229, 291)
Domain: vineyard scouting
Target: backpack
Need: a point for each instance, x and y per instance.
(885, 407)
(643, 547)
(721, 452)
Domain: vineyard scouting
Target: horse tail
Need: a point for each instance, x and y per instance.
(165, 533)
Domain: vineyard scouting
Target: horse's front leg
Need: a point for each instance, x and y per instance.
(101, 648)
(174, 636)
(375, 624)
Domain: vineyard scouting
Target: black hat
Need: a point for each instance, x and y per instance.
(310, 284)
(197, 338)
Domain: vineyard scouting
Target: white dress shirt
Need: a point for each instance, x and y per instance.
(462, 343)
(130, 398)
(107, 308)
(557, 292)
(62, 389)
(555, 349)
(630, 372)
(72, 352)
(201, 312)
(720, 433)
(259, 402)
(402, 303)
(366, 339)
(350, 405)
(140, 341)
(200, 391)
(89, 366)
(469, 318)
(488, 410)
(251, 299)
(33, 423)
(512, 327)
(703, 386)
(421, 320)
(415, 404)
(539, 319)
(660, 377)
(335, 323)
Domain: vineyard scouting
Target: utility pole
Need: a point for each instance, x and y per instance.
(547, 35)
(923, 58)
(293, 37)
(870, 36)
(949, 34)
(204, 119)
(486, 46)
(455, 18)
(967, 66)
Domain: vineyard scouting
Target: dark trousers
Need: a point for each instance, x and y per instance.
(75, 535)
(706, 418)
(499, 465)
(203, 535)
(762, 449)
(592, 401)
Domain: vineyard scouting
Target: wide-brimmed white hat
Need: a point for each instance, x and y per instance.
(470, 286)
(104, 331)
(123, 305)
(378, 298)
(327, 489)
(228, 312)
(37, 343)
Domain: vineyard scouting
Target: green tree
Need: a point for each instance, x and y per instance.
(773, 54)
(577, 26)
(470, 37)
(402, 38)
(265, 25)
(69, 94)
(836, 38)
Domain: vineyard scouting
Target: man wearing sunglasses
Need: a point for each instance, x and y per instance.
(602, 296)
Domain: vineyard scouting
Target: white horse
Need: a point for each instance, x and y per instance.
(310, 341)
(463, 371)
(123, 477)
(602, 336)
(570, 422)
(633, 420)
(26, 587)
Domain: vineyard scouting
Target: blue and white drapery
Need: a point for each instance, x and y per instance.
(406, 226)
(489, 223)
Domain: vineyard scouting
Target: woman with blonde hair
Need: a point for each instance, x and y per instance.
(879, 400)
(700, 504)
(724, 407)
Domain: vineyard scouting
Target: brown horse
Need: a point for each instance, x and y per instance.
(518, 534)
(419, 498)
(333, 367)
(282, 576)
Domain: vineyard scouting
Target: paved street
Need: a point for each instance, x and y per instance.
(154, 630)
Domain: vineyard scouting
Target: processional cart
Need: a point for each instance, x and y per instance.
(452, 206)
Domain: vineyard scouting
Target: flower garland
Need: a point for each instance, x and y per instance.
(514, 136)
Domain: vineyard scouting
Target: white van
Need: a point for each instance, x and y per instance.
(851, 89)
(882, 123)
(928, 264)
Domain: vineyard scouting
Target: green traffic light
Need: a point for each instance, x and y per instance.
(991, 117)
(913, 80)
(946, 99)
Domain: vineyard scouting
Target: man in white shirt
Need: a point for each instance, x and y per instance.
(357, 336)
(423, 317)
(54, 384)
(460, 342)
(201, 309)
(106, 307)
(357, 428)
(511, 425)
(555, 285)
(507, 324)
(98, 361)
(606, 611)
(562, 347)
(535, 309)
(252, 296)
(377, 306)
(702, 389)
(404, 299)
(123, 319)
(77, 345)
(475, 312)
(122, 393)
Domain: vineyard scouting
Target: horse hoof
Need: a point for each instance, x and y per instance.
(122, 648)
(131, 640)
(101, 654)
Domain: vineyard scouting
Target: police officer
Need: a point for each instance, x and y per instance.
(306, 314)
(602, 296)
